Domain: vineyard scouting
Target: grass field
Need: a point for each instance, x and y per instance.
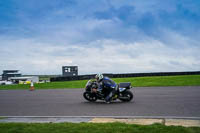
(186, 80)
(92, 128)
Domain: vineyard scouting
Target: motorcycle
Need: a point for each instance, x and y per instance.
(122, 92)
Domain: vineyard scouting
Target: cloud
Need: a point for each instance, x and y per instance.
(112, 57)
(38, 37)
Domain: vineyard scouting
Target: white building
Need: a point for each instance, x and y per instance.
(34, 79)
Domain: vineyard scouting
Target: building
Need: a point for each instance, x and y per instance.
(70, 70)
(7, 74)
(16, 80)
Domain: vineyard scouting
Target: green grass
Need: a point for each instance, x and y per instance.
(186, 80)
(92, 128)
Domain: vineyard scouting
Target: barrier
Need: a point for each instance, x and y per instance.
(125, 75)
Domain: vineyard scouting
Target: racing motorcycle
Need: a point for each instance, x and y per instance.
(122, 92)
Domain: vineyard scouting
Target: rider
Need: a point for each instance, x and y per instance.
(107, 86)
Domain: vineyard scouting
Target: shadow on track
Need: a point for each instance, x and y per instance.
(103, 103)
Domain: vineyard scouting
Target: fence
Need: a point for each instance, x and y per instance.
(86, 77)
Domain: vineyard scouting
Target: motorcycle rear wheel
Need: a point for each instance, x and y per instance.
(126, 96)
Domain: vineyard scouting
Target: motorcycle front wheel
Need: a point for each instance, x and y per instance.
(89, 96)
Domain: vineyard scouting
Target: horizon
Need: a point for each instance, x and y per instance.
(104, 73)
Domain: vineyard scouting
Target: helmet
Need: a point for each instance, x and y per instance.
(99, 77)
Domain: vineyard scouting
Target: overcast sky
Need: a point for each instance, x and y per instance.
(100, 36)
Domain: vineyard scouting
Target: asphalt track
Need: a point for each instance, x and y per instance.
(148, 102)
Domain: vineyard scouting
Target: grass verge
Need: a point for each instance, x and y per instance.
(185, 80)
(92, 128)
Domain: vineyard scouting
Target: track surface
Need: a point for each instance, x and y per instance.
(149, 101)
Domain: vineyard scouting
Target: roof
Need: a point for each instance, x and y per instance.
(13, 73)
(20, 78)
(10, 70)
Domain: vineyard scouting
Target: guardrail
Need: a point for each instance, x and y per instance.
(86, 77)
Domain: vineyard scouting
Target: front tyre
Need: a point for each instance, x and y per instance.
(126, 96)
(89, 96)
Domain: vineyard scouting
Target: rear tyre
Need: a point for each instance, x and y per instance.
(126, 96)
(89, 96)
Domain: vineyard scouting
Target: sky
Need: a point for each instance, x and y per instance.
(99, 36)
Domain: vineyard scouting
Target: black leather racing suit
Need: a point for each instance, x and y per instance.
(107, 86)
